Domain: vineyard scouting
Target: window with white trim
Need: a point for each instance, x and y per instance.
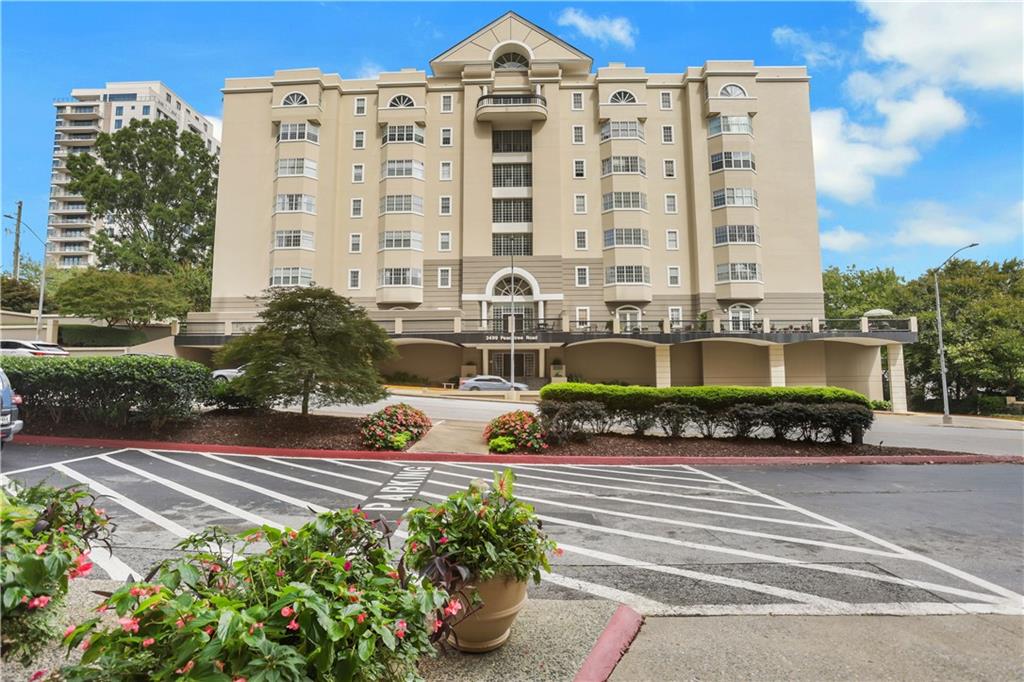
(675, 315)
(626, 236)
(613, 201)
(512, 210)
(627, 274)
(671, 204)
(577, 101)
(741, 316)
(402, 168)
(444, 205)
(358, 172)
(579, 168)
(579, 204)
(582, 275)
(622, 97)
(668, 134)
(512, 175)
(296, 167)
(293, 239)
(665, 98)
(403, 133)
(512, 244)
(444, 278)
(358, 139)
(293, 132)
(622, 130)
(359, 106)
(401, 203)
(624, 164)
(738, 272)
(355, 242)
(400, 277)
(356, 209)
(737, 234)
(355, 277)
(730, 124)
(295, 203)
(733, 161)
(581, 240)
(291, 277)
(445, 172)
(734, 196)
(401, 102)
(447, 104)
(579, 135)
(511, 61)
(444, 241)
(582, 316)
(400, 240)
(292, 99)
(511, 141)
(447, 137)
(668, 168)
(673, 275)
(732, 90)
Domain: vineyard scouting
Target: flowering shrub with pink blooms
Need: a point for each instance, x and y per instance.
(521, 426)
(45, 534)
(396, 427)
(325, 602)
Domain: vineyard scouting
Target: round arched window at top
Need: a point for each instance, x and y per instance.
(511, 61)
(513, 286)
(622, 97)
(732, 90)
(401, 102)
(294, 99)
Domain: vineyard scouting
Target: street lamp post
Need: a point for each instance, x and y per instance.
(512, 317)
(42, 276)
(946, 418)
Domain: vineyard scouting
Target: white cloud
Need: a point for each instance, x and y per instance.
(602, 29)
(927, 115)
(841, 239)
(932, 223)
(814, 52)
(369, 70)
(218, 125)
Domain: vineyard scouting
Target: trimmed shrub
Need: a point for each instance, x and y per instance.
(673, 419)
(881, 405)
(396, 427)
(224, 395)
(565, 422)
(501, 444)
(709, 398)
(742, 420)
(837, 421)
(521, 426)
(109, 391)
(91, 336)
(406, 379)
(785, 419)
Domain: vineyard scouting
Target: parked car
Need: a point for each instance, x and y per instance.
(228, 374)
(487, 382)
(37, 348)
(9, 401)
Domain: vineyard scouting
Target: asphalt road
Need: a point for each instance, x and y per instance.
(667, 540)
(968, 434)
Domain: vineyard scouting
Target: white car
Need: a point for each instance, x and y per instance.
(36, 348)
(228, 374)
(487, 382)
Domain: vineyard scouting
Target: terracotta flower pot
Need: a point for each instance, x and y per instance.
(490, 626)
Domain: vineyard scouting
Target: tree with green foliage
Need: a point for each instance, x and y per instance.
(18, 295)
(23, 296)
(312, 347)
(120, 298)
(851, 292)
(158, 189)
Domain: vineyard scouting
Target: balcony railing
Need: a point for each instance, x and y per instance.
(511, 100)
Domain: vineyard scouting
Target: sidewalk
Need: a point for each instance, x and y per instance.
(453, 436)
(826, 648)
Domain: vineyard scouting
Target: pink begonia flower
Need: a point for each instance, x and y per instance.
(437, 624)
(279, 574)
(38, 675)
(67, 633)
(361, 617)
(347, 566)
(287, 612)
(41, 549)
(38, 602)
(184, 670)
(453, 607)
(129, 624)
(84, 645)
(82, 566)
(400, 627)
(293, 625)
(443, 540)
(148, 642)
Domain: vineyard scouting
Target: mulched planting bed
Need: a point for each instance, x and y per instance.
(261, 428)
(658, 446)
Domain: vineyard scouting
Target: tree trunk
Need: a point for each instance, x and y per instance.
(305, 396)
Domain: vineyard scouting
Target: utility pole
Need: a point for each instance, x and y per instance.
(17, 243)
(946, 418)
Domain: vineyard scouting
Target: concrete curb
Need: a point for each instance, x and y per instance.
(510, 459)
(620, 632)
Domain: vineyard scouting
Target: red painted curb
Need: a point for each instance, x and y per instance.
(509, 459)
(620, 632)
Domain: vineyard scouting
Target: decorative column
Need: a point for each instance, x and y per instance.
(897, 377)
(485, 354)
(663, 366)
(777, 364)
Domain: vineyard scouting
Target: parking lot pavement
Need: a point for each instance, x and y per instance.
(666, 540)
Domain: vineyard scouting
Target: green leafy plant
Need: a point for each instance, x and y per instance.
(502, 444)
(90, 336)
(45, 537)
(324, 602)
(576, 421)
(521, 426)
(477, 534)
(710, 398)
(224, 395)
(394, 428)
(125, 298)
(881, 405)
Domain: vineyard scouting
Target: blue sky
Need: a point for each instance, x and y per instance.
(917, 109)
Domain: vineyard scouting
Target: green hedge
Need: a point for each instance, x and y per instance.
(89, 336)
(109, 391)
(708, 398)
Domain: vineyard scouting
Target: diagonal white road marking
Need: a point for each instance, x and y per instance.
(65, 461)
(619, 479)
(629, 470)
(274, 474)
(637, 602)
(318, 470)
(342, 463)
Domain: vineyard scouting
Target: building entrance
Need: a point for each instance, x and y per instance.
(526, 364)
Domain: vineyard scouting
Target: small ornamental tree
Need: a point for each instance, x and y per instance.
(313, 347)
(120, 297)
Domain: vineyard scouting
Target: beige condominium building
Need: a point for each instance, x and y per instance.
(80, 118)
(629, 226)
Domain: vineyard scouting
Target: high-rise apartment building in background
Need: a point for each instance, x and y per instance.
(639, 227)
(80, 118)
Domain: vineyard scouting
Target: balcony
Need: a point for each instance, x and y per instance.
(511, 108)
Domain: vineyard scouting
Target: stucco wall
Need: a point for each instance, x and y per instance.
(436, 362)
(805, 364)
(729, 363)
(687, 364)
(598, 362)
(856, 367)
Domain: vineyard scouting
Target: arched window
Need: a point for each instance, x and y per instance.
(401, 102)
(630, 319)
(511, 61)
(507, 287)
(732, 90)
(622, 97)
(294, 99)
(740, 317)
